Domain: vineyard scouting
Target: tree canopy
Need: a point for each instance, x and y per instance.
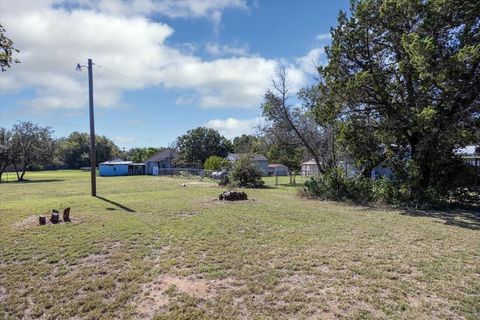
(404, 73)
(198, 144)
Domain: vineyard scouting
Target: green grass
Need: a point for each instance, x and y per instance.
(152, 248)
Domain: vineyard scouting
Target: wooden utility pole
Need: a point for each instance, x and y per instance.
(93, 153)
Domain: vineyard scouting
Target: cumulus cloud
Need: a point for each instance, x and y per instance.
(218, 50)
(231, 127)
(324, 37)
(311, 60)
(53, 37)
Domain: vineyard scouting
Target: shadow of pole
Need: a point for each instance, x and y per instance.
(115, 204)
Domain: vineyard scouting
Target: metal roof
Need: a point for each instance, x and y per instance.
(236, 156)
(162, 155)
(114, 162)
(468, 151)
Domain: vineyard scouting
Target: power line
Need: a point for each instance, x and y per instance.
(121, 74)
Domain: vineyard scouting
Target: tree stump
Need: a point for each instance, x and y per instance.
(55, 218)
(42, 220)
(66, 214)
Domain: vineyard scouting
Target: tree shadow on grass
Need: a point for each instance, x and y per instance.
(463, 218)
(115, 204)
(31, 181)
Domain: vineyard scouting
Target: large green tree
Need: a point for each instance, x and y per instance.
(74, 150)
(31, 145)
(405, 73)
(198, 144)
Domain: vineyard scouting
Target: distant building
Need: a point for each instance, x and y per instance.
(310, 168)
(120, 168)
(260, 160)
(277, 170)
(161, 162)
(470, 155)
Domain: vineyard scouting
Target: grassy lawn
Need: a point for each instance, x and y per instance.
(149, 248)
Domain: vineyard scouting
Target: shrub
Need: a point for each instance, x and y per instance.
(215, 163)
(245, 173)
(335, 185)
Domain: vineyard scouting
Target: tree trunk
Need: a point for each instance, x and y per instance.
(16, 171)
(23, 173)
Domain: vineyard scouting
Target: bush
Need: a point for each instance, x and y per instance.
(215, 163)
(335, 185)
(245, 173)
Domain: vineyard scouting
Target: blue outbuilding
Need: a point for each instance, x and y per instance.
(120, 168)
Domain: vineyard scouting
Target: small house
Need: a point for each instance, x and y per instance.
(310, 168)
(120, 168)
(260, 160)
(161, 162)
(470, 155)
(275, 169)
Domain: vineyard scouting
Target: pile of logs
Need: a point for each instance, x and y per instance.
(55, 217)
(232, 196)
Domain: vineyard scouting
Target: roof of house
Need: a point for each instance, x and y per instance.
(256, 157)
(116, 162)
(468, 151)
(277, 165)
(310, 162)
(164, 154)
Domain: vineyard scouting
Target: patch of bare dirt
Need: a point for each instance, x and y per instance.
(32, 221)
(155, 295)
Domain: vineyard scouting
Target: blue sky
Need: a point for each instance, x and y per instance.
(177, 65)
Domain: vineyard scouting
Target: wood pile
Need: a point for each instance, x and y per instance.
(232, 196)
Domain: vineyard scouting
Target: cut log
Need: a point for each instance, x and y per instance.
(55, 218)
(42, 220)
(66, 214)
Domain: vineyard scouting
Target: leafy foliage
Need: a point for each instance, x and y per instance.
(335, 185)
(74, 150)
(215, 163)
(6, 51)
(141, 154)
(245, 173)
(198, 144)
(404, 73)
(31, 145)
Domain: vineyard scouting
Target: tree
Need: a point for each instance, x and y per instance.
(6, 150)
(32, 145)
(407, 73)
(245, 173)
(6, 51)
(288, 155)
(198, 144)
(246, 144)
(74, 150)
(294, 126)
(215, 163)
(141, 154)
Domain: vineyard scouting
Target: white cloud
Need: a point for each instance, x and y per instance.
(231, 127)
(217, 50)
(324, 37)
(311, 60)
(53, 40)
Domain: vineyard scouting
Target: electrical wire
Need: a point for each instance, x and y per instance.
(120, 74)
